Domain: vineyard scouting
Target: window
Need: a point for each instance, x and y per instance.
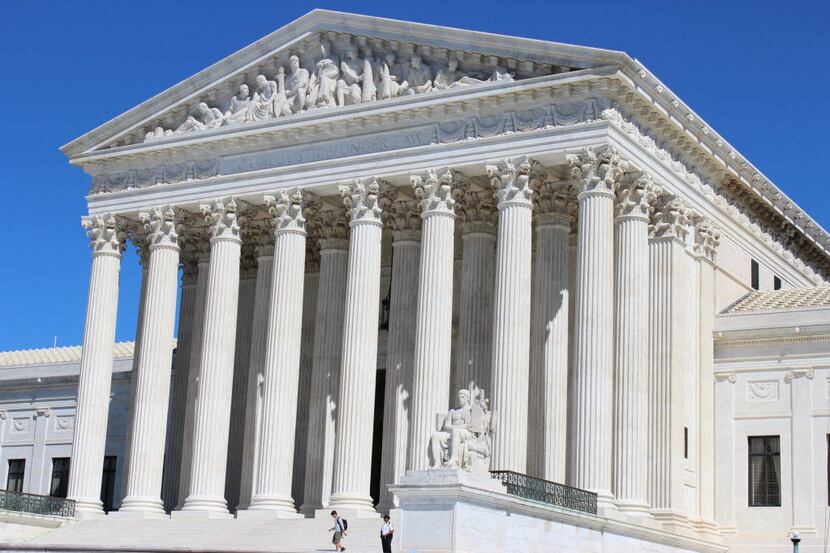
(17, 470)
(60, 476)
(764, 471)
(108, 482)
(776, 283)
(685, 442)
(756, 277)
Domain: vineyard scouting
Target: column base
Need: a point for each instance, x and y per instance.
(89, 508)
(198, 504)
(273, 503)
(346, 512)
(606, 506)
(707, 527)
(386, 507)
(351, 502)
(201, 515)
(135, 504)
(138, 514)
(672, 521)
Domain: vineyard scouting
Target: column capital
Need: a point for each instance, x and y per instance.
(510, 178)
(596, 171)
(160, 224)
(477, 210)
(222, 216)
(436, 191)
(404, 218)
(106, 235)
(289, 209)
(670, 218)
(331, 228)
(707, 238)
(366, 199)
(636, 194)
(554, 202)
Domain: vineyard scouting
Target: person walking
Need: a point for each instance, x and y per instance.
(339, 530)
(387, 531)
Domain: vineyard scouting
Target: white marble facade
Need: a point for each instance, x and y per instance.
(591, 223)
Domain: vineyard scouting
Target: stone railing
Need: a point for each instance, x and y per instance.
(544, 491)
(36, 504)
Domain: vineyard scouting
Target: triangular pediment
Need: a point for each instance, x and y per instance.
(343, 59)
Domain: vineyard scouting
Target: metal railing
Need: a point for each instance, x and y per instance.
(36, 504)
(536, 489)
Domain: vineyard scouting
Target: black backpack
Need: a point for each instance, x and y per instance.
(344, 523)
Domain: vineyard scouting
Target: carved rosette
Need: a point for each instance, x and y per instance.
(222, 216)
(331, 229)
(289, 209)
(670, 218)
(366, 199)
(707, 238)
(596, 172)
(636, 195)
(106, 235)
(511, 181)
(436, 191)
(160, 225)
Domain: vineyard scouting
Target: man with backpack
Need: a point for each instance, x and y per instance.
(339, 529)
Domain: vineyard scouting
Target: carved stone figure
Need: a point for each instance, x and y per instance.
(296, 85)
(240, 104)
(390, 78)
(419, 76)
(464, 439)
(204, 118)
(322, 87)
(451, 77)
(356, 84)
(262, 105)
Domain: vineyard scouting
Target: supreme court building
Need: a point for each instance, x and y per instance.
(361, 216)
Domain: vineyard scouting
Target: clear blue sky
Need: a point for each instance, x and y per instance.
(758, 72)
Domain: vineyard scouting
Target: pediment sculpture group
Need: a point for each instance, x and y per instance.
(332, 82)
(464, 439)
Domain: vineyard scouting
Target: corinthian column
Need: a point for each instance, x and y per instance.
(511, 312)
(433, 326)
(200, 242)
(331, 228)
(259, 339)
(477, 211)
(184, 337)
(152, 383)
(212, 420)
(107, 243)
(353, 449)
(634, 198)
(272, 489)
(668, 286)
(596, 175)
(405, 221)
(244, 328)
(548, 398)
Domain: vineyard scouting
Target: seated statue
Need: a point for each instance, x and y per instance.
(451, 77)
(262, 105)
(390, 78)
(419, 76)
(464, 439)
(240, 104)
(356, 83)
(203, 118)
(322, 84)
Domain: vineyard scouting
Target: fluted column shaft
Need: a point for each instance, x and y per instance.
(272, 489)
(548, 405)
(433, 323)
(353, 445)
(178, 406)
(152, 385)
(212, 420)
(475, 323)
(96, 365)
(328, 340)
(631, 353)
(400, 351)
(511, 314)
(244, 327)
(253, 402)
(193, 370)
